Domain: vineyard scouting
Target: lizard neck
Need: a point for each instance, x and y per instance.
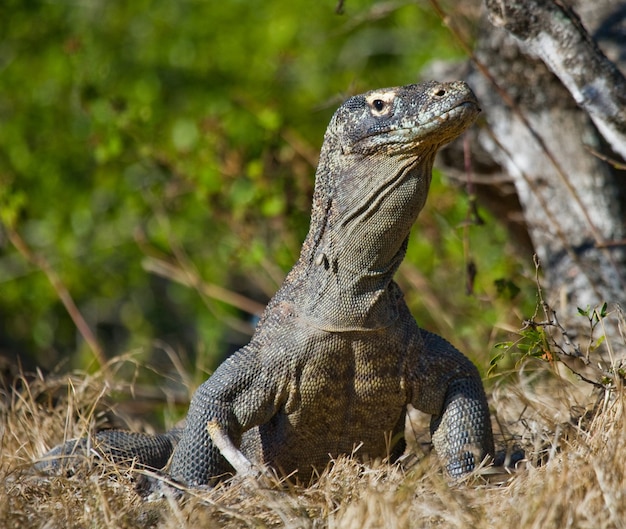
(362, 217)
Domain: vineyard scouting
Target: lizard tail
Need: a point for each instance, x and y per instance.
(126, 448)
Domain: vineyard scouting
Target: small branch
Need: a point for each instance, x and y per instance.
(61, 290)
(229, 450)
(571, 358)
(472, 217)
(607, 159)
(189, 278)
(612, 244)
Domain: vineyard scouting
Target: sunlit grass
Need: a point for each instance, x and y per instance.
(574, 474)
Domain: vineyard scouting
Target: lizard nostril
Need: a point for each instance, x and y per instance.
(440, 93)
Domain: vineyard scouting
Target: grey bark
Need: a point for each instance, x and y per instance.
(553, 33)
(550, 94)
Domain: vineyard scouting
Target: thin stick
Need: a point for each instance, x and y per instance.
(62, 292)
(186, 276)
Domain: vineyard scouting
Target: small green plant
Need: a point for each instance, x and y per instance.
(533, 342)
(546, 339)
(595, 317)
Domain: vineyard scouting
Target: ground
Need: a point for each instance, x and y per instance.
(574, 476)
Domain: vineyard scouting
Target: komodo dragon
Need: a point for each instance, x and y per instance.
(337, 357)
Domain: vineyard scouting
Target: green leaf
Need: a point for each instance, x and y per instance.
(185, 134)
(12, 203)
(584, 312)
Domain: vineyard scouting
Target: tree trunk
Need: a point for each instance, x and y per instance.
(544, 124)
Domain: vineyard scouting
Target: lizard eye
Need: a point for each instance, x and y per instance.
(378, 104)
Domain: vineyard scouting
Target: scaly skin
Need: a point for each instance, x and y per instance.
(337, 357)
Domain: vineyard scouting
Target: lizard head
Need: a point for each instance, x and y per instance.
(372, 181)
(404, 119)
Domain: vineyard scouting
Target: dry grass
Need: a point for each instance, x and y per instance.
(575, 477)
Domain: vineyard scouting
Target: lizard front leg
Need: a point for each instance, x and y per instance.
(197, 460)
(237, 397)
(448, 386)
(461, 434)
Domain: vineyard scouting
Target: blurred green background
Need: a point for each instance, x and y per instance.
(183, 136)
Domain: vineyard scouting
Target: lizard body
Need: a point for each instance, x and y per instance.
(337, 357)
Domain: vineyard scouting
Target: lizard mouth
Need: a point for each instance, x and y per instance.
(467, 106)
(451, 122)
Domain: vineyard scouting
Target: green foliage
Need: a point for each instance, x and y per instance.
(443, 244)
(187, 131)
(506, 288)
(537, 340)
(595, 317)
(533, 342)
